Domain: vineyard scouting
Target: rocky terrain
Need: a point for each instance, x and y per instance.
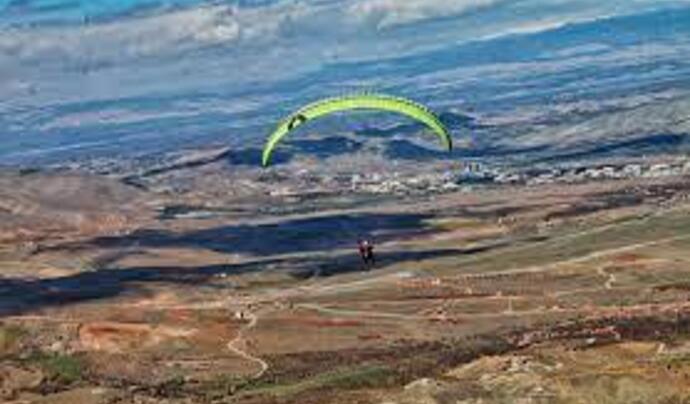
(145, 257)
(189, 284)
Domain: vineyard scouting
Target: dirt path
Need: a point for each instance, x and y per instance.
(532, 312)
(43, 319)
(577, 260)
(425, 317)
(354, 285)
(608, 284)
(360, 313)
(233, 346)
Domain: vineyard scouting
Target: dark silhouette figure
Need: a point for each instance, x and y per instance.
(366, 252)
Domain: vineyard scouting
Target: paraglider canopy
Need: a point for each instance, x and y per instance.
(354, 102)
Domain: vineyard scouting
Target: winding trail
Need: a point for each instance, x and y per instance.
(608, 284)
(238, 344)
(359, 313)
(578, 260)
(232, 346)
(424, 317)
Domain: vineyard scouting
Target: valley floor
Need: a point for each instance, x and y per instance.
(551, 293)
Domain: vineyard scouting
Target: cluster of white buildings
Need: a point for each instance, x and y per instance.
(449, 181)
(582, 174)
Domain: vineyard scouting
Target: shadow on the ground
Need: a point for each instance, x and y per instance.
(286, 237)
(21, 295)
(347, 263)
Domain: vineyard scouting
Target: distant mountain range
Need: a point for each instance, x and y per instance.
(524, 79)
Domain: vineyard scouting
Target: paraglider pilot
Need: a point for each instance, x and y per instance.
(366, 252)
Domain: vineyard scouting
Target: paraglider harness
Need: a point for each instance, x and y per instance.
(366, 252)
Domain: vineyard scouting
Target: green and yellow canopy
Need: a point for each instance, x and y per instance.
(365, 101)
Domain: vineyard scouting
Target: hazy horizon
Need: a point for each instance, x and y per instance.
(122, 78)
